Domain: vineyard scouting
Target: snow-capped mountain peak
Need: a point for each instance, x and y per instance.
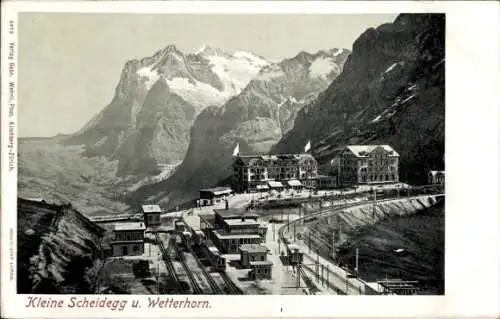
(209, 76)
(207, 50)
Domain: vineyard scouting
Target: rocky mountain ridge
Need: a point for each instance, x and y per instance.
(256, 119)
(391, 91)
(156, 101)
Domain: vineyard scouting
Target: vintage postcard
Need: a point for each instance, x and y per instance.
(250, 159)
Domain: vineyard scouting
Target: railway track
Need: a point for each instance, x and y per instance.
(213, 285)
(168, 262)
(197, 290)
(311, 218)
(230, 287)
(233, 289)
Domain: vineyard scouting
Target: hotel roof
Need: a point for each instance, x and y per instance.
(235, 236)
(261, 263)
(254, 248)
(274, 184)
(217, 190)
(151, 209)
(235, 213)
(129, 226)
(236, 222)
(364, 150)
(294, 182)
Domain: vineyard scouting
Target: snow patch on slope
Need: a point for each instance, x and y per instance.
(150, 76)
(321, 67)
(236, 72)
(338, 52)
(198, 94)
(389, 69)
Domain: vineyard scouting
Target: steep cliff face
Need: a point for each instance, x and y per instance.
(58, 249)
(390, 91)
(156, 101)
(256, 119)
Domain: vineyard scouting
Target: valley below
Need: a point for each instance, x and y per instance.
(60, 174)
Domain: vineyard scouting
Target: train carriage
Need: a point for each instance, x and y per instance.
(214, 256)
(187, 238)
(198, 236)
(180, 226)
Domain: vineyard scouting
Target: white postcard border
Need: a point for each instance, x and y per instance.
(472, 232)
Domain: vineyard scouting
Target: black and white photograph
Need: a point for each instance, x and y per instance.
(162, 159)
(263, 162)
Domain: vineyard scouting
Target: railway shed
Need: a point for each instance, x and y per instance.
(252, 252)
(212, 196)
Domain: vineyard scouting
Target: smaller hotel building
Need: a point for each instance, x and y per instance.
(151, 215)
(368, 164)
(128, 239)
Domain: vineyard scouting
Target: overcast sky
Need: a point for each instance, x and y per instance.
(70, 63)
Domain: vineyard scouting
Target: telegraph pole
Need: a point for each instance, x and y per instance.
(310, 243)
(346, 284)
(317, 261)
(298, 275)
(294, 232)
(357, 257)
(274, 232)
(288, 221)
(322, 275)
(158, 274)
(327, 273)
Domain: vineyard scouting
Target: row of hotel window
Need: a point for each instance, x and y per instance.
(262, 258)
(373, 178)
(129, 236)
(370, 169)
(242, 241)
(368, 162)
(276, 170)
(280, 177)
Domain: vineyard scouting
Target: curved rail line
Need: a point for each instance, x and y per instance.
(331, 210)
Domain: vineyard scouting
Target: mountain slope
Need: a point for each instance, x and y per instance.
(391, 91)
(58, 249)
(191, 82)
(256, 119)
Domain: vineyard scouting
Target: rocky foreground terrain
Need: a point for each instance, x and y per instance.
(58, 249)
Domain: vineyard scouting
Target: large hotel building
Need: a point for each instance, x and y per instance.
(256, 172)
(368, 164)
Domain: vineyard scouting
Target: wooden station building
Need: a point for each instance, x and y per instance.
(128, 239)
